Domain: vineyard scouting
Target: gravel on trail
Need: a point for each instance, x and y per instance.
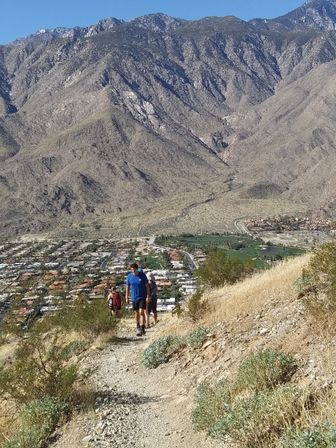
(137, 407)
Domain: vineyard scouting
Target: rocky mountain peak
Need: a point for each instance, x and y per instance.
(158, 22)
(316, 14)
(88, 31)
(102, 25)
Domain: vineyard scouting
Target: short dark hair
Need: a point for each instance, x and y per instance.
(134, 266)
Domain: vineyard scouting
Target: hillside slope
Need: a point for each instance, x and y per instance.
(261, 312)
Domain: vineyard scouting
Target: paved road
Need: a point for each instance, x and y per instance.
(193, 262)
(240, 226)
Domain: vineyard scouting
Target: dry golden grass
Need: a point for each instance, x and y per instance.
(174, 326)
(104, 340)
(9, 420)
(326, 410)
(7, 350)
(247, 297)
(251, 295)
(268, 300)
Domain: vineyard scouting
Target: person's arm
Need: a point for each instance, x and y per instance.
(148, 293)
(127, 294)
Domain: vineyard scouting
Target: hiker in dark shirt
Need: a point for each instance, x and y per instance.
(137, 287)
(152, 305)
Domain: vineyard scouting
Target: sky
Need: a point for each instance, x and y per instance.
(19, 18)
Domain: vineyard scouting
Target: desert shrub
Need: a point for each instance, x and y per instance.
(253, 421)
(260, 419)
(177, 311)
(39, 419)
(319, 280)
(40, 368)
(197, 337)
(303, 282)
(322, 436)
(254, 408)
(212, 402)
(264, 370)
(88, 319)
(161, 350)
(44, 413)
(219, 269)
(196, 306)
(74, 348)
(25, 438)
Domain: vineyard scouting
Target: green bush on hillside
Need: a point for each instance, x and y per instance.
(44, 413)
(257, 406)
(322, 436)
(196, 306)
(40, 369)
(265, 370)
(87, 318)
(260, 419)
(212, 402)
(39, 420)
(160, 351)
(253, 421)
(219, 269)
(197, 337)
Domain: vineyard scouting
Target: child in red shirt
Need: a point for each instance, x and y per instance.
(114, 302)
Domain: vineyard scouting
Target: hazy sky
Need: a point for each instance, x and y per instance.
(22, 17)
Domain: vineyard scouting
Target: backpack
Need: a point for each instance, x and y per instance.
(110, 303)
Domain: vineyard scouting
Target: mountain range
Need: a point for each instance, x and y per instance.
(163, 124)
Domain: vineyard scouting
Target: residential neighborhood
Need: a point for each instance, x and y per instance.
(288, 223)
(35, 277)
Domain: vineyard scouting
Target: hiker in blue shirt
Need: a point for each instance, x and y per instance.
(137, 286)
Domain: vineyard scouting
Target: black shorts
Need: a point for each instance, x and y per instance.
(152, 306)
(115, 308)
(139, 304)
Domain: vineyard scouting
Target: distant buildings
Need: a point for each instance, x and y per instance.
(287, 224)
(39, 276)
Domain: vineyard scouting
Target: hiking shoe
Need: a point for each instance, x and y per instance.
(143, 329)
(139, 331)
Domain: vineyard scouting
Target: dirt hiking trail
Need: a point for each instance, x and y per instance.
(137, 407)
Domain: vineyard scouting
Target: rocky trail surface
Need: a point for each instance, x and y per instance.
(136, 407)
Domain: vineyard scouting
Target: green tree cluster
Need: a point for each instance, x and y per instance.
(219, 269)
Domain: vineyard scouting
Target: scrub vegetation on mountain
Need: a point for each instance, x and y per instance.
(44, 377)
(193, 114)
(161, 350)
(270, 397)
(218, 269)
(317, 286)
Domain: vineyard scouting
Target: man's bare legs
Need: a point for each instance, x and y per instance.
(140, 319)
(147, 317)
